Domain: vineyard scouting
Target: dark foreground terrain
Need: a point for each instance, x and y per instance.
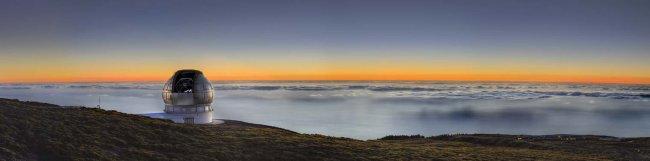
(39, 131)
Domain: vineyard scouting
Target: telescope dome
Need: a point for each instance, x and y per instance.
(187, 89)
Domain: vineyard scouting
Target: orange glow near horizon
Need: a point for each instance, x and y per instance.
(221, 76)
(118, 69)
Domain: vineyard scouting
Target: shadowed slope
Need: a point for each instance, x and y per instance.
(38, 131)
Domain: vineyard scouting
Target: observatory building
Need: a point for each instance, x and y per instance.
(188, 96)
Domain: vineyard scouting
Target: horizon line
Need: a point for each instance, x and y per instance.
(339, 80)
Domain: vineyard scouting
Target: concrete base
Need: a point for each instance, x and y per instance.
(193, 118)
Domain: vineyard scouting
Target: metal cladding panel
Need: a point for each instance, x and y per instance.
(203, 98)
(183, 99)
(167, 97)
(167, 91)
(168, 85)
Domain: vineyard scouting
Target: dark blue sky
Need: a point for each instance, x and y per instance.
(583, 34)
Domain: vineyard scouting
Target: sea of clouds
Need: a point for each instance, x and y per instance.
(367, 110)
(451, 90)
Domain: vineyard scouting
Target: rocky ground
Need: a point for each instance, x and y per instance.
(39, 131)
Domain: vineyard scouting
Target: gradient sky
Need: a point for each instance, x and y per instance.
(518, 40)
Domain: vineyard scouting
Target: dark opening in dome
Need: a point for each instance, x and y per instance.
(184, 81)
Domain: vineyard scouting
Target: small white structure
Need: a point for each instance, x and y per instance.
(188, 97)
